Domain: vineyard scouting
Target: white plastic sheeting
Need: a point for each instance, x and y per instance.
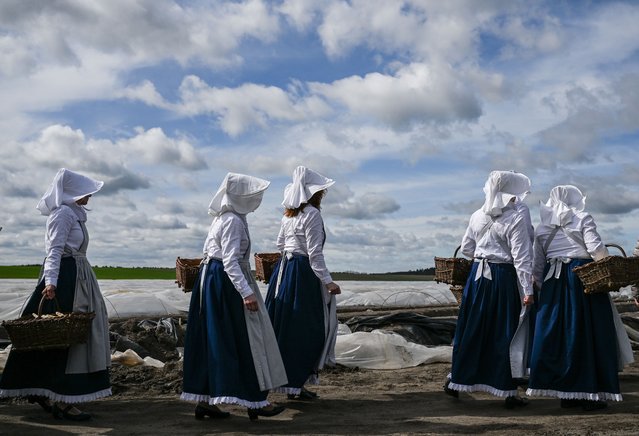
(125, 298)
(384, 350)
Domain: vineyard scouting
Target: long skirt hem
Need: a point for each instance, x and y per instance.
(600, 396)
(53, 396)
(287, 390)
(482, 388)
(223, 400)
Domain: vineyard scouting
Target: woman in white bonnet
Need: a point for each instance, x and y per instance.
(579, 342)
(230, 352)
(301, 294)
(59, 379)
(492, 330)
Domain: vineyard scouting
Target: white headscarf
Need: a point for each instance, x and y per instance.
(67, 187)
(563, 203)
(238, 193)
(501, 187)
(306, 182)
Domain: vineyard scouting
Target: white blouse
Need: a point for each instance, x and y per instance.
(304, 234)
(63, 229)
(228, 240)
(507, 241)
(582, 228)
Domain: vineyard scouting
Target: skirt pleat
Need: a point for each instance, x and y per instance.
(297, 313)
(487, 321)
(574, 353)
(43, 372)
(218, 363)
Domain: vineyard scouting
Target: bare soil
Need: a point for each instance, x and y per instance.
(146, 401)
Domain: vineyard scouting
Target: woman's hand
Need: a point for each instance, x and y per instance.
(333, 288)
(528, 300)
(250, 303)
(637, 302)
(49, 292)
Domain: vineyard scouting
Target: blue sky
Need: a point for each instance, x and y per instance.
(408, 105)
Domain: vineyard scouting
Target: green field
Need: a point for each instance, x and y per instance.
(104, 273)
(121, 273)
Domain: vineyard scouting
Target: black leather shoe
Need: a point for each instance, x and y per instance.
(512, 402)
(202, 411)
(449, 391)
(304, 394)
(567, 403)
(41, 401)
(254, 413)
(589, 406)
(65, 414)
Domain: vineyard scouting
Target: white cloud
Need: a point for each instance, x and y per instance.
(416, 93)
(442, 91)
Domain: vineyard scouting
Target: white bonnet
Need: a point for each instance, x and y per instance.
(67, 187)
(306, 183)
(239, 193)
(501, 187)
(564, 201)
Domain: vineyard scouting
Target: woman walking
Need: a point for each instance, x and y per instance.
(59, 379)
(230, 351)
(579, 342)
(301, 294)
(490, 341)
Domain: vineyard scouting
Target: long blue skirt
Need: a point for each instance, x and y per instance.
(574, 353)
(297, 313)
(487, 321)
(42, 373)
(218, 364)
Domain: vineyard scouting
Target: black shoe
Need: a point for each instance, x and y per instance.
(567, 403)
(41, 401)
(254, 413)
(202, 411)
(512, 402)
(64, 414)
(589, 406)
(449, 391)
(304, 394)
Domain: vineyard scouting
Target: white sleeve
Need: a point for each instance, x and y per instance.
(281, 240)
(314, 233)
(231, 241)
(596, 248)
(521, 251)
(468, 243)
(59, 225)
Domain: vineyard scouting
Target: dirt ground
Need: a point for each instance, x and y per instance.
(351, 401)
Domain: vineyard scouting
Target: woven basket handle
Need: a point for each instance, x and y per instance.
(57, 305)
(456, 251)
(618, 247)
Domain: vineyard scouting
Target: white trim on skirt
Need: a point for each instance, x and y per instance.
(600, 396)
(224, 400)
(69, 399)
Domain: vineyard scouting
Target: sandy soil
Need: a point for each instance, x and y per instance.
(407, 401)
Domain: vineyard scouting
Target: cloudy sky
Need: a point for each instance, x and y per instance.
(408, 105)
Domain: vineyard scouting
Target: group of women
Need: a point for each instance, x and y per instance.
(524, 312)
(237, 347)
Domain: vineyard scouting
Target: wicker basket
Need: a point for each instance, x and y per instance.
(46, 332)
(457, 291)
(452, 270)
(610, 273)
(186, 271)
(264, 265)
